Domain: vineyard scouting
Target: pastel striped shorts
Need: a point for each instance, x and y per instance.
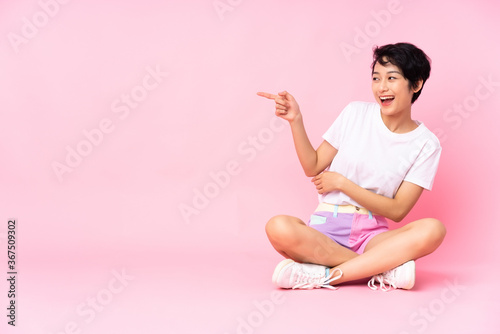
(347, 225)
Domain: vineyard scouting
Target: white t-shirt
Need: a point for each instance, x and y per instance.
(377, 159)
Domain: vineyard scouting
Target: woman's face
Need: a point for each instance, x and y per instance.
(391, 89)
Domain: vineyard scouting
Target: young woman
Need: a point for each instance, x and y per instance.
(373, 164)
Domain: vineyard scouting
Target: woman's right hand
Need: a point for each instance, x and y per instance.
(286, 106)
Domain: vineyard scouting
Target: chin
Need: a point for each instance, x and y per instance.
(389, 111)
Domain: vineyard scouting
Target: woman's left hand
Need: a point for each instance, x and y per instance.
(328, 181)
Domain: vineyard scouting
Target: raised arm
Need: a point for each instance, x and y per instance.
(312, 161)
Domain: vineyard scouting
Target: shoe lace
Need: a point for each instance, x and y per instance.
(388, 278)
(307, 280)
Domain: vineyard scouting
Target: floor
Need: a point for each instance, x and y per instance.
(232, 293)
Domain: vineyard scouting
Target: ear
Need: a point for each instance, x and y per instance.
(420, 83)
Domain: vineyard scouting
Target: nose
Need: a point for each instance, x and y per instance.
(382, 86)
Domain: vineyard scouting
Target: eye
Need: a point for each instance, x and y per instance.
(392, 78)
(375, 79)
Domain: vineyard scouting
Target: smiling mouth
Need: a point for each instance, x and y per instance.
(386, 100)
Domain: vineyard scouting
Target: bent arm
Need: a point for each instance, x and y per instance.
(393, 208)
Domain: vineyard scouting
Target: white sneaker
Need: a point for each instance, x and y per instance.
(293, 275)
(402, 277)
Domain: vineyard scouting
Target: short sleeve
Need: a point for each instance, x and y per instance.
(336, 133)
(424, 169)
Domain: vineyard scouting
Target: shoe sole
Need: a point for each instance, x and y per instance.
(280, 267)
(410, 267)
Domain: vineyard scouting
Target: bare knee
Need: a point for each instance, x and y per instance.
(281, 228)
(433, 233)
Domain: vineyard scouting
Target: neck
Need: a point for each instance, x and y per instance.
(400, 122)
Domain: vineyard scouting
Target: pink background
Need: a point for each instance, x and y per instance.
(66, 70)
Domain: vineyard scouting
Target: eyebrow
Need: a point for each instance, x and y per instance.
(389, 72)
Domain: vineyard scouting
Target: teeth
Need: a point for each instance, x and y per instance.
(386, 98)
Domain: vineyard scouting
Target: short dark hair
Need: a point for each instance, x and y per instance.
(414, 63)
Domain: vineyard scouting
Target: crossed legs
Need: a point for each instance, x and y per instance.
(293, 239)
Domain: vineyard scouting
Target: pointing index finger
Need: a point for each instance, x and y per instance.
(267, 95)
